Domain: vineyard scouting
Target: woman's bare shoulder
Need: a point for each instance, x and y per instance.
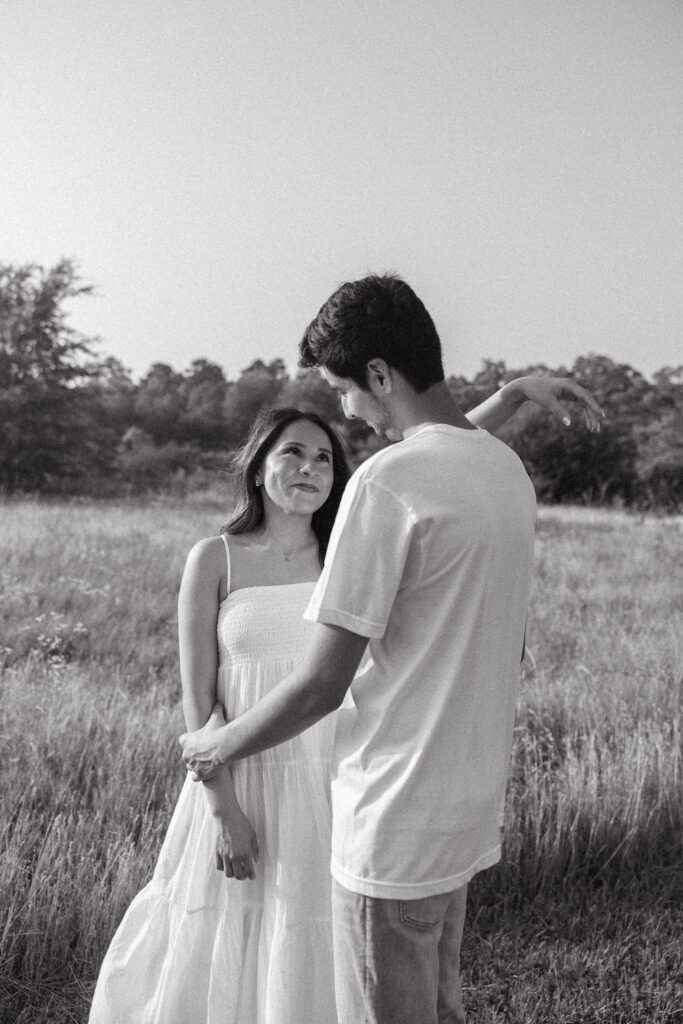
(207, 556)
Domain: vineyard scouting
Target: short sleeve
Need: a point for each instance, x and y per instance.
(365, 560)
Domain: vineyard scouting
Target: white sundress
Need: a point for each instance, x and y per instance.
(197, 948)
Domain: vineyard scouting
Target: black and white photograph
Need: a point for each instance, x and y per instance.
(341, 512)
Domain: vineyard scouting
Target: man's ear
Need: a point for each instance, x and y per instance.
(379, 376)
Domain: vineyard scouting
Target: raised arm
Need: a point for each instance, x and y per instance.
(545, 392)
(236, 847)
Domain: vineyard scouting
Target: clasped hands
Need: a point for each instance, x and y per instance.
(204, 750)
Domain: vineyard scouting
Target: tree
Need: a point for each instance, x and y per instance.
(578, 465)
(258, 386)
(205, 389)
(112, 394)
(64, 411)
(47, 428)
(626, 396)
(36, 343)
(51, 439)
(160, 403)
(669, 384)
(660, 445)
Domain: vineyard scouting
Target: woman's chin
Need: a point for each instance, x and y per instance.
(303, 504)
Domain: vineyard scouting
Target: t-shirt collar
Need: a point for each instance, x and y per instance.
(432, 425)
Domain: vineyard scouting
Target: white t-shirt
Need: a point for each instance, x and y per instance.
(431, 559)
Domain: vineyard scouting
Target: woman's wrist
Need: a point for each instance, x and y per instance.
(513, 394)
(220, 795)
(226, 813)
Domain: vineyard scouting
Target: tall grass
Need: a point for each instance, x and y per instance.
(595, 789)
(581, 921)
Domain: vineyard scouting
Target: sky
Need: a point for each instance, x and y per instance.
(217, 168)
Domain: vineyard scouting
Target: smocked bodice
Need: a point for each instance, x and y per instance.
(263, 624)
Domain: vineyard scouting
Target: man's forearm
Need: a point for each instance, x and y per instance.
(291, 707)
(314, 689)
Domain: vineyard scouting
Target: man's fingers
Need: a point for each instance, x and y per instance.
(198, 771)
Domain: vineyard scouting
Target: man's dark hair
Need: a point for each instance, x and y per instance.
(378, 317)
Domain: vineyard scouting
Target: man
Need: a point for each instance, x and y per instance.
(430, 564)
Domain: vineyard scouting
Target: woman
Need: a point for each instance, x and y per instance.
(253, 947)
(194, 948)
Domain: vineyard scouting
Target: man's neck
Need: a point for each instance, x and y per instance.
(435, 405)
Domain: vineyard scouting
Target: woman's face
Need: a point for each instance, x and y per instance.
(296, 474)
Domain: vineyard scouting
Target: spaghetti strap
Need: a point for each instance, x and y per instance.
(227, 560)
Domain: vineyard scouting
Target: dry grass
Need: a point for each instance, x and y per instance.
(582, 920)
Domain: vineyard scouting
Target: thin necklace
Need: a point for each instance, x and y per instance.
(290, 554)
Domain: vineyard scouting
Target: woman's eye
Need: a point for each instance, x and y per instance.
(324, 457)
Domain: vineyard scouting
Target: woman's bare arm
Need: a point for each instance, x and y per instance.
(237, 847)
(545, 392)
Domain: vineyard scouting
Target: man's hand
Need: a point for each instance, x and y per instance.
(203, 753)
(237, 851)
(545, 391)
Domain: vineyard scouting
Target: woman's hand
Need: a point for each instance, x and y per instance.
(545, 391)
(237, 851)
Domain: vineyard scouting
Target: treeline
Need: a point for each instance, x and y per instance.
(75, 423)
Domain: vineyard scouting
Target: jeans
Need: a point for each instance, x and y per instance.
(398, 961)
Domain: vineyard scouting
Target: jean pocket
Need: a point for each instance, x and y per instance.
(423, 914)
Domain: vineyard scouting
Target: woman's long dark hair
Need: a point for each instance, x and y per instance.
(269, 424)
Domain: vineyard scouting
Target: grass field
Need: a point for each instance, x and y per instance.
(581, 922)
